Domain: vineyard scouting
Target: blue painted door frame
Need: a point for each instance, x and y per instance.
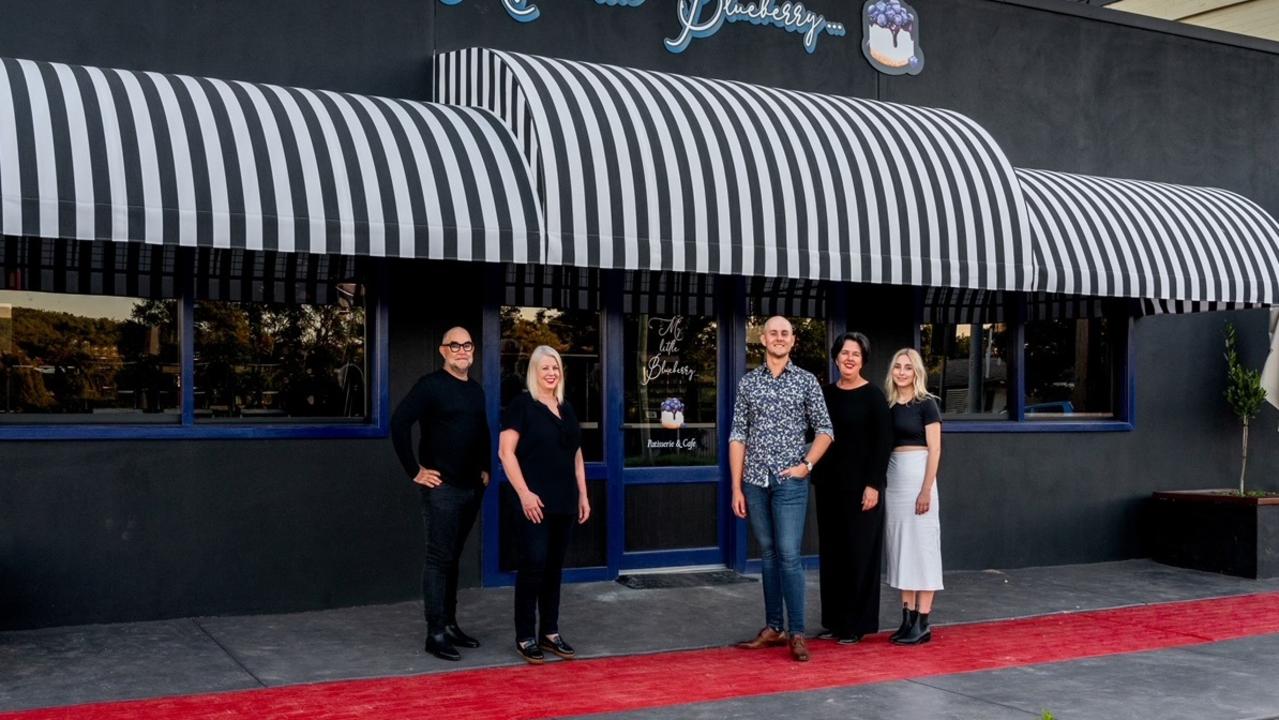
(732, 359)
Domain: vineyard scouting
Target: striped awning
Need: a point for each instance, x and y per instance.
(138, 270)
(93, 154)
(650, 171)
(1175, 246)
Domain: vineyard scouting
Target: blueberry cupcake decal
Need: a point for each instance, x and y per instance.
(890, 37)
(672, 413)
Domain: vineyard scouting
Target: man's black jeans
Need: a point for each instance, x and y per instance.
(541, 567)
(449, 514)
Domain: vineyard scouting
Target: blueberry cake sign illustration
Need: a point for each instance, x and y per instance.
(890, 37)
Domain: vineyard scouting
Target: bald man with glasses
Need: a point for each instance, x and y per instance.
(451, 469)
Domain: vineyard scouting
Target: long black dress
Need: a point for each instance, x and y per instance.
(852, 541)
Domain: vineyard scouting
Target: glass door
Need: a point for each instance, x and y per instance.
(560, 309)
(670, 439)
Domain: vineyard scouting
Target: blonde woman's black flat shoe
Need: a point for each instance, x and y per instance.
(557, 645)
(530, 652)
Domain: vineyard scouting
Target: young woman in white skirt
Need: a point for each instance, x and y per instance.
(912, 533)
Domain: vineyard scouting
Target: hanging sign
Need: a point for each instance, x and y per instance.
(890, 37)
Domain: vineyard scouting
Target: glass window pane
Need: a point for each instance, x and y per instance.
(263, 362)
(576, 335)
(670, 362)
(1070, 369)
(968, 368)
(64, 355)
(810, 350)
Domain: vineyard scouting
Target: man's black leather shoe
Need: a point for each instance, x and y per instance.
(459, 638)
(439, 646)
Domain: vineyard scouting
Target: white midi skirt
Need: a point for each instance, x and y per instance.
(912, 543)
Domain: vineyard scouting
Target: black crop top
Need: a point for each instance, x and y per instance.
(909, 421)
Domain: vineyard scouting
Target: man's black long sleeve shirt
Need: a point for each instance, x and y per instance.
(455, 437)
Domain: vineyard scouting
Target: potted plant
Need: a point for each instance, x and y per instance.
(1228, 531)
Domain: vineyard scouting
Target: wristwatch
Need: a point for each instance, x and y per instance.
(808, 465)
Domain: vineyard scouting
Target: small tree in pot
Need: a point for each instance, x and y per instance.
(1243, 392)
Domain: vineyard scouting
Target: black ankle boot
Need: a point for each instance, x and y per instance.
(919, 632)
(907, 620)
(438, 645)
(459, 638)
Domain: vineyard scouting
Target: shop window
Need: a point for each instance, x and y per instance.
(85, 358)
(1070, 369)
(576, 335)
(968, 368)
(809, 353)
(669, 366)
(267, 361)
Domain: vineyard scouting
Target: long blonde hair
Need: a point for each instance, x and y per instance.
(530, 378)
(921, 376)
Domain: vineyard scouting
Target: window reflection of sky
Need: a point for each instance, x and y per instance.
(92, 306)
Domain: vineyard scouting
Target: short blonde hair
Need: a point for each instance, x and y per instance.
(921, 376)
(530, 379)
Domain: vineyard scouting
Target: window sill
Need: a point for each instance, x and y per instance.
(270, 431)
(1035, 426)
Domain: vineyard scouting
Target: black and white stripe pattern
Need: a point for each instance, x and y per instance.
(561, 288)
(666, 293)
(162, 271)
(1128, 238)
(960, 306)
(646, 170)
(1177, 307)
(93, 154)
(786, 297)
(271, 277)
(90, 268)
(957, 306)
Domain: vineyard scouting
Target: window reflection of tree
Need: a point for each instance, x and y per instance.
(575, 334)
(268, 360)
(969, 379)
(56, 362)
(810, 348)
(1068, 367)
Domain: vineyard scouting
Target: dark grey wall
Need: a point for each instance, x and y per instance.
(119, 530)
(381, 47)
(105, 531)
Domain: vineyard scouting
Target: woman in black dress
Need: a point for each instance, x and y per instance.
(849, 481)
(541, 453)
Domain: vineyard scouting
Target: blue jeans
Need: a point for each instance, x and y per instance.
(777, 514)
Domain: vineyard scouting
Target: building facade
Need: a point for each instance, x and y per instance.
(196, 423)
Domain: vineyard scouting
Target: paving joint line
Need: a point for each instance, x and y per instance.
(235, 659)
(1032, 713)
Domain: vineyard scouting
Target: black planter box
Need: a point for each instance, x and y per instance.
(1209, 530)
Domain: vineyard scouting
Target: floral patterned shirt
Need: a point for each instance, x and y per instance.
(771, 416)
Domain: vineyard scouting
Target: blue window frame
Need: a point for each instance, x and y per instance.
(374, 425)
(1014, 318)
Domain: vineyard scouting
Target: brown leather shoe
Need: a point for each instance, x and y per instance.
(798, 647)
(767, 637)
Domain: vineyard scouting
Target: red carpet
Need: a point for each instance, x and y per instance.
(635, 682)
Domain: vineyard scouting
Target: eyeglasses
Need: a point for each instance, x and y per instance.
(459, 347)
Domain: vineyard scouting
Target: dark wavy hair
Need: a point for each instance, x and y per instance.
(856, 337)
